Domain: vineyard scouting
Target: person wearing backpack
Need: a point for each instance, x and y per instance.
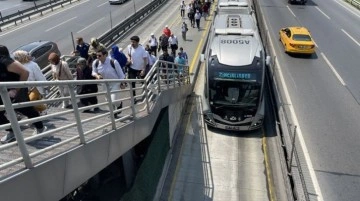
(184, 29)
(106, 68)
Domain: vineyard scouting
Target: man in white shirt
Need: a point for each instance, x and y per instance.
(138, 58)
(197, 19)
(153, 43)
(182, 9)
(106, 68)
(173, 42)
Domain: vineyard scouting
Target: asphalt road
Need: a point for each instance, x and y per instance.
(8, 7)
(324, 91)
(85, 18)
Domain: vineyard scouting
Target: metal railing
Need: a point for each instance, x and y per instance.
(162, 76)
(27, 13)
(126, 25)
(355, 3)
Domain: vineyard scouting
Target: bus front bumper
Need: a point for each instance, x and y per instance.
(209, 119)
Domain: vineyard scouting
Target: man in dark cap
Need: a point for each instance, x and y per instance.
(138, 59)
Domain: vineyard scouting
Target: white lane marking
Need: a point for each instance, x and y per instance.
(43, 18)
(102, 4)
(322, 12)
(291, 11)
(350, 37)
(333, 69)
(60, 24)
(348, 9)
(296, 122)
(90, 25)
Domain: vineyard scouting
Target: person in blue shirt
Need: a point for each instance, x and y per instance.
(184, 55)
(180, 60)
(119, 56)
(82, 48)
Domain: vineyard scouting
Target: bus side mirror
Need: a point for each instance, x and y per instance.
(268, 60)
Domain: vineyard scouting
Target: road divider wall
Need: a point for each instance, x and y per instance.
(355, 3)
(285, 125)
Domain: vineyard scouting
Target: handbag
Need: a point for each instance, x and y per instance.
(34, 95)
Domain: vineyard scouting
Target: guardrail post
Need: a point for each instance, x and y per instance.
(76, 113)
(132, 98)
(111, 107)
(173, 75)
(50, 7)
(167, 76)
(19, 13)
(292, 150)
(158, 78)
(16, 127)
(145, 88)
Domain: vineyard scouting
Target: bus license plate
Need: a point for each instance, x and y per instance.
(234, 128)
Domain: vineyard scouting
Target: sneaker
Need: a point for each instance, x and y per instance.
(9, 137)
(38, 131)
(117, 113)
(96, 109)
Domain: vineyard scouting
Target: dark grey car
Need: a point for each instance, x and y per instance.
(303, 2)
(40, 51)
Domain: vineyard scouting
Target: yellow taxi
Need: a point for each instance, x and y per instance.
(297, 40)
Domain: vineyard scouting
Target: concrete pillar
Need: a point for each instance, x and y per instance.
(129, 167)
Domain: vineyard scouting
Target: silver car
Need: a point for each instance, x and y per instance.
(40, 51)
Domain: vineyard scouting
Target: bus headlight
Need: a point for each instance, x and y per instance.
(257, 122)
(209, 118)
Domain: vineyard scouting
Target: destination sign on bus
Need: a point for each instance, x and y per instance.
(236, 75)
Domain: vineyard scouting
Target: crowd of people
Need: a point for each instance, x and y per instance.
(95, 62)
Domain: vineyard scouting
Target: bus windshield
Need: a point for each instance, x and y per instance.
(235, 94)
